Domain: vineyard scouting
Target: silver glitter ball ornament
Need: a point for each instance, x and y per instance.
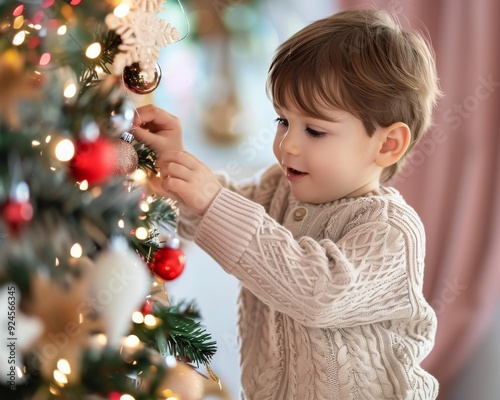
(127, 159)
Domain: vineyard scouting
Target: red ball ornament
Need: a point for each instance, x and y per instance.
(168, 263)
(17, 214)
(93, 161)
(114, 396)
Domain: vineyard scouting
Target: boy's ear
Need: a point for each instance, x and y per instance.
(395, 140)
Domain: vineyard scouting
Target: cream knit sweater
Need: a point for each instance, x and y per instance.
(331, 304)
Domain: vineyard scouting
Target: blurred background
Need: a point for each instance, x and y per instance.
(214, 81)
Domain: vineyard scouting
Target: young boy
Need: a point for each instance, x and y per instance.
(331, 262)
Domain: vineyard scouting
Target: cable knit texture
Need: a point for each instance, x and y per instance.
(331, 305)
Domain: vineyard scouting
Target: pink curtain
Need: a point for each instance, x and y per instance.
(453, 180)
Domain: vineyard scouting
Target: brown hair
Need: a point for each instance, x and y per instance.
(363, 62)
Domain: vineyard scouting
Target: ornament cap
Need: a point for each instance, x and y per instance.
(127, 137)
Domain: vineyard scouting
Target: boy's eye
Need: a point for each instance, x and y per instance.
(282, 121)
(315, 133)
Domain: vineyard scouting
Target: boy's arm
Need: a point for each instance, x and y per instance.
(259, 188)
(361, 279)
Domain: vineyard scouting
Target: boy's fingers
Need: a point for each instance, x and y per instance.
(178, 157)
(156, 119)
(151, 140)
(145, 114)
(186, 159)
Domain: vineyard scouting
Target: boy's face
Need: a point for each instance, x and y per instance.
(325, 160)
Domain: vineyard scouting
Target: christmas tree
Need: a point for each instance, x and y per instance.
(85, 246)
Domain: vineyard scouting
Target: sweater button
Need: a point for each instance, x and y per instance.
(299, 214)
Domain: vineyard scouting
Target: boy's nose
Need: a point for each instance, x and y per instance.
(289, 144)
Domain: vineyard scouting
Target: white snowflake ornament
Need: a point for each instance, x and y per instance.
(142, 34)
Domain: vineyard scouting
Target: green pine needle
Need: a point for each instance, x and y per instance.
(185, 337)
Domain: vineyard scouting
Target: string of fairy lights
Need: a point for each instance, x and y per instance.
(64, 148)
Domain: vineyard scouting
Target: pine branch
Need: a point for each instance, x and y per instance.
(147, 157)
(185, 337)
(162, 214)
(89, 76)
(140, 378)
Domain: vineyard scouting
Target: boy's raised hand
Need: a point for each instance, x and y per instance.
(190, 180)
(159, 130)
(182, 175)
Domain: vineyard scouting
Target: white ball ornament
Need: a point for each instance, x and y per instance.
(119, 285)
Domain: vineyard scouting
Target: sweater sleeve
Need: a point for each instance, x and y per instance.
(251, 188)
(360, 279)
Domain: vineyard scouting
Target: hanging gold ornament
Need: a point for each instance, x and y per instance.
(140, 81)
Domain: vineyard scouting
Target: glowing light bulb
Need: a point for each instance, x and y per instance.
(141, 233)
(121, 10)
(19, 38)
(62, 30)
(18, 22)
(101, 339)
(131, 341)
(93, 50)
(84, 185)
(65, 150)
(144, 206)
(76, 250)
(137, 317)
(60, 377)
(18, 10)
(150, 320)
(55, 391)
(70, 90)
(45, 59)
(63, 366)
(139, 175)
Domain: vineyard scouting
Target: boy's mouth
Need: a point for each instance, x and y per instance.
(294, 174)
(294, 171)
